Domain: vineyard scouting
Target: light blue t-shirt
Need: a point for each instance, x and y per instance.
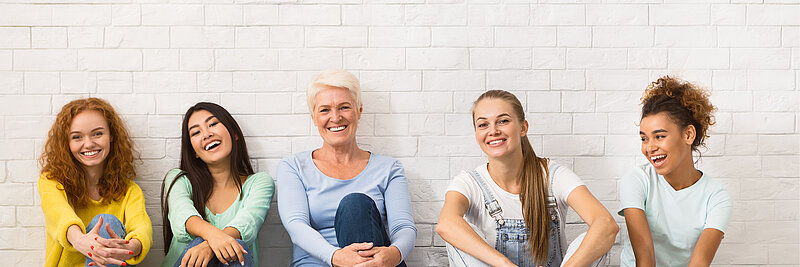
(676, 218)
(308, 199)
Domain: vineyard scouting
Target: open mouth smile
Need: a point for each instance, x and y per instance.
(90, 153)
(212, 145)
(496, 143)
(337, 128)
(658, 160)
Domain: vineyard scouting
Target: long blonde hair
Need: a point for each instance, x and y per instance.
(534, 183)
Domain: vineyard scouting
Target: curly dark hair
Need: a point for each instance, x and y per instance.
(684, 102)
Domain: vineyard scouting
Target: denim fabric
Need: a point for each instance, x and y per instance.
(248, 258)
(358, 220)
(512, 241)
(116, 226)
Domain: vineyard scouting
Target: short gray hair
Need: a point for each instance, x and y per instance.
(336, 78)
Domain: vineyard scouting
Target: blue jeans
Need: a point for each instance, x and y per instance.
(358, 220)
(116, 226)
(248, 258)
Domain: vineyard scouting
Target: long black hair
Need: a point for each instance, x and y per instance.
(196, 170)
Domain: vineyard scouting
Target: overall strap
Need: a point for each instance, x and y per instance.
(552, 203)
(489, 201)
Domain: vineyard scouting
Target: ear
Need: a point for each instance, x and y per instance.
(524, 128)
(312, 118)
(360, 110)
(689, 134)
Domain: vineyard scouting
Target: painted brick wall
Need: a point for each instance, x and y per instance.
(579, 67)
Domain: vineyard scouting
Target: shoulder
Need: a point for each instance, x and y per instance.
(260, 178)
(382, 161)
(716, 190)
(46, 182)
(643, 172)
(296, 160)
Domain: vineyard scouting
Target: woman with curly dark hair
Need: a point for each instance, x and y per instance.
(94, 212)
(675, 214)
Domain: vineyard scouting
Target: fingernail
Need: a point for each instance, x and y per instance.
(95, 238)
(127, 241)
(130, 252)
(92, 247)
(124, 264)
(91, 264)
(245, 252)
(90, 254)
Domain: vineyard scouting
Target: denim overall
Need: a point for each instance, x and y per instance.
(512, 236)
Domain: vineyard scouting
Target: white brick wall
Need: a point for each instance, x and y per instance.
(579, 68)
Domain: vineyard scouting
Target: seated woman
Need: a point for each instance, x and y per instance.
(675, 214)
(214, 204)
(518, 201)
(335, 201)
(94, 212)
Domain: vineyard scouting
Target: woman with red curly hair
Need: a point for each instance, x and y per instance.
(94, 212)
(675, 214)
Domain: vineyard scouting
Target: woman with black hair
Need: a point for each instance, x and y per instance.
(214, 204)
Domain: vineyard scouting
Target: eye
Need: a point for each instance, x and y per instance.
(643, 138)
(344, 107)
(504, 121)
(324, 110)
(98, 134)
(213, 123)
(658, 137)
(75, 137)
(194, 133)
(482, 125)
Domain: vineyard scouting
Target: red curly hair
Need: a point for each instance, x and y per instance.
(686, 103)
(60, 166)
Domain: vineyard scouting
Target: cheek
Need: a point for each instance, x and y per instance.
(74, 147)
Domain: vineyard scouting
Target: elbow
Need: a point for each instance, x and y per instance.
(443, 227)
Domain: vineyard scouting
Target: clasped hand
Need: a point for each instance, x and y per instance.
(219, 245)
(365, 255)
(113, 250)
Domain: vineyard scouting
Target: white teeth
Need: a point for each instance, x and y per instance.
(337, 129)
(658, 157)
(90, 153)
(212, 145)
(496, 141)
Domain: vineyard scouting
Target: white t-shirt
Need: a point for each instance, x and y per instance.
(676, 218)
(564, 181)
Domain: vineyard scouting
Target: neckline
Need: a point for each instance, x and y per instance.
(666, 183)
(316, 168)
(234, 202)
(485, 169)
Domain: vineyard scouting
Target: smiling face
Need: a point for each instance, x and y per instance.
(498, 130)
(210, 139)
(336, 115)
(665, 144)
(90, 139)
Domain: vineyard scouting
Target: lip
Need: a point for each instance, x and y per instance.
(343, 127)
(205, 145)
(95, 155)
(501, 142)
(660, 163)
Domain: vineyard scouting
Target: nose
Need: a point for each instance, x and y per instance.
(206, 133)
(335, 115)
(493, 130)
(651, 146)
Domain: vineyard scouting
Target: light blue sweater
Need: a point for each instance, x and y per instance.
(308, 199)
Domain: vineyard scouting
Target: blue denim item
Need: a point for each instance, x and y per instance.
(116, 226)
(512, 241)
(358, 220)
(248, 258)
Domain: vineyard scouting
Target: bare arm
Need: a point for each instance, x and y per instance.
(222, 242)
(602, 228)
(455, 230)
(641, 240)
(706, 247)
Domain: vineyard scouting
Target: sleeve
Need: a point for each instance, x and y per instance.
(254, 207)
(632, 190)
(564, 181)
(295, 215)
(719, 210)
(465, 185)
(181, 207)
(58, 213)
(400, 219)
(137, 222)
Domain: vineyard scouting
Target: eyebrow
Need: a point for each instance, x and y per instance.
(95, 129)
(655, 131)
(207, 119)
(498, 116)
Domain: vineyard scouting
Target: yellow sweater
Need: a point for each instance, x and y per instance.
(59, 215)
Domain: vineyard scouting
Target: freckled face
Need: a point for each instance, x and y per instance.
(336, 115)
(90, 138)
(664, 144)
(497, 130)
(210, 139)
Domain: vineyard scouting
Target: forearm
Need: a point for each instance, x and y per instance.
(233, 232)
(73, 233)
(196, 226)
(457, 232)
(598, 241)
